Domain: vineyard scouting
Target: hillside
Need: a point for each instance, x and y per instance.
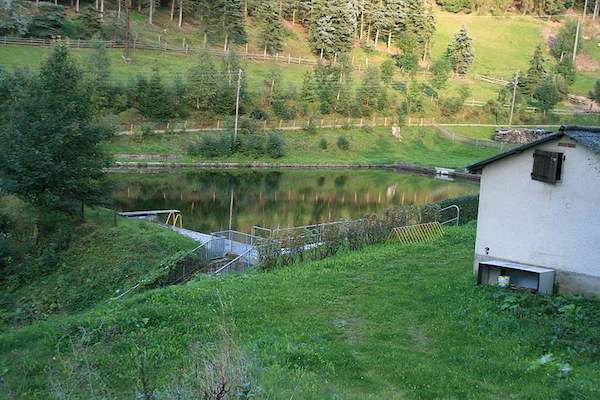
(502, 46)
(101, 261)
(385, 322)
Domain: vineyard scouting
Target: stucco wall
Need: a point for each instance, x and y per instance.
(555, 226)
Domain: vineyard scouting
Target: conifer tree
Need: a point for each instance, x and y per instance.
(233, 24)
(90, 23)
(97, 75)
(271, 27)
(461, 52)
(419, 23)
(202, 83)
(332, 27)
(50, 143)
(546, 94)
(368, 92)
(308, 92)
(536, 73)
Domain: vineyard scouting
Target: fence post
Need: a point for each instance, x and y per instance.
(218, 124)
(289, 58)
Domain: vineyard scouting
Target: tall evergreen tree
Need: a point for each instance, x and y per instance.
(308, 92)
(271, 27)
(546, 94)
(536, 73)
(369, 92)
(202, 83)
(461, 52)
(332, 27)
(233, 23)
(97, 75)
(90, 22)
(153, 98)
(50, 143)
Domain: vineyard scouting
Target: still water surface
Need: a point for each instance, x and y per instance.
(277, 198)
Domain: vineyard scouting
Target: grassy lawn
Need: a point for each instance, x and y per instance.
(101, 261)
(421, 146)
(502, 44)
(388, 322)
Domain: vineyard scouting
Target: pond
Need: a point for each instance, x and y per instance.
(277, 198)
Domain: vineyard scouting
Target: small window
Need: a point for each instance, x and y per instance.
(547, 166)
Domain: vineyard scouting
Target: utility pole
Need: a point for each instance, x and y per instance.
(237, 106)
(231, 208)
(514, 96)
(576, 40)
(126, 53)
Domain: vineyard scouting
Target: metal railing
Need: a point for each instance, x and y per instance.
(455, 219)
(197, 259)
(239, 264)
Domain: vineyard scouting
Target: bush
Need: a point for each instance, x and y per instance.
(468, 205)
(275, 145)
(310, 127)
(246, 125)
(253, 145)
(343, 143)
(211, 146)
(323, 143)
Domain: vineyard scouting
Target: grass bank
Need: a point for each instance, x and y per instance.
(386, 322)
(100, 262)
(419, 145)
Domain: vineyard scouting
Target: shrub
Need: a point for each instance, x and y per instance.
(468, 205)
(310, 127)
(323, 143)
(247, 125)
(275, 145)
(253, 145)
(343, 143)
(211, 146)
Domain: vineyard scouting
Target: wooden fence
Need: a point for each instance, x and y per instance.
(184, 48)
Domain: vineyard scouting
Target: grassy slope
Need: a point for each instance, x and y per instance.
(419, 146)
(101, 260)
(522, 30)
(387, 322)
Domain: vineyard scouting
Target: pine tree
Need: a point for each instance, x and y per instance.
(461, 52)
(418, 23)
(439, 72)
(233, 23)
(271, 27)
(308, 92)
(90, 23)
(48, 21)
(97, 75)
(202, 83)
(50, 143)
(387, 71)
(332, 27)
(536, 73)
(154, 100)
(368, 92)
(227, 85)
(546, 94)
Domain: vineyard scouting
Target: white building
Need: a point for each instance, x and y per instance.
(539, 214)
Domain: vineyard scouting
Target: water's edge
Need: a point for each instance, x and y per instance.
(155, 165)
